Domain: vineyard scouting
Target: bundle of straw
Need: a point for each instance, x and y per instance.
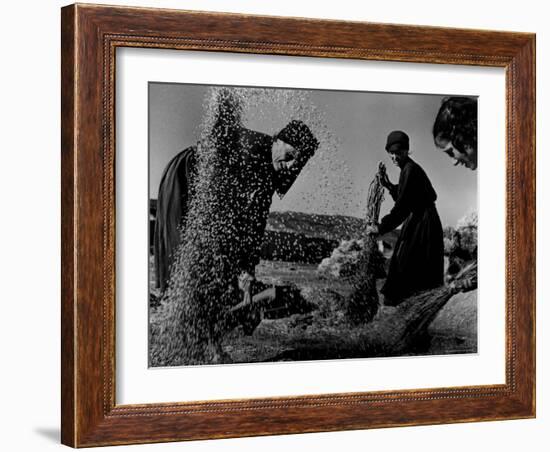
(419, 310)
(362, 304)
(394, 332)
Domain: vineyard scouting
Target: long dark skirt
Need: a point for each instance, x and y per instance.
(172, 204)
(417, 261)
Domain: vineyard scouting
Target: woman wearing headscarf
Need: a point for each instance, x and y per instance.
(417, 260)
(265, 165)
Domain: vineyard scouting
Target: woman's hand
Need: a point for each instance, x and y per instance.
(385, 180)
(372, 229)
(465, 285)
(245, 281)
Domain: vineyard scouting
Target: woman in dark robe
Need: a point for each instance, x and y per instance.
(417, 260)
(265, 164)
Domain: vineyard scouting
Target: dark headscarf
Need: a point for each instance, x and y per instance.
(300, 137)
(397, 141)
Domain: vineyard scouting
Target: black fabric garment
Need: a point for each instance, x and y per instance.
(172, 204)
(417, 260)
(256, 186)
(257, 183)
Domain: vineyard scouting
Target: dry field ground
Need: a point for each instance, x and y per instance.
(454, 329)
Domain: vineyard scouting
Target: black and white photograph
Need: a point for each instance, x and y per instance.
(243, 226)
(298, 225)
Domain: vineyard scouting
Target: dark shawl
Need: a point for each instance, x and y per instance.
(172, 204)
(417, 260)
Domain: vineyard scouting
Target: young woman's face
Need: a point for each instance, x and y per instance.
(468, 158)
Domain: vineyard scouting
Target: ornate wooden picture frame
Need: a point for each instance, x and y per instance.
(90, 37)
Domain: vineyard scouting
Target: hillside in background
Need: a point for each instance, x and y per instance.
(330, 227)
(302, 237)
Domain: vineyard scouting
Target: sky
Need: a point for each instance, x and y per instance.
(352, 128)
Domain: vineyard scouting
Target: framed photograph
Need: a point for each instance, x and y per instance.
(280, 225)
